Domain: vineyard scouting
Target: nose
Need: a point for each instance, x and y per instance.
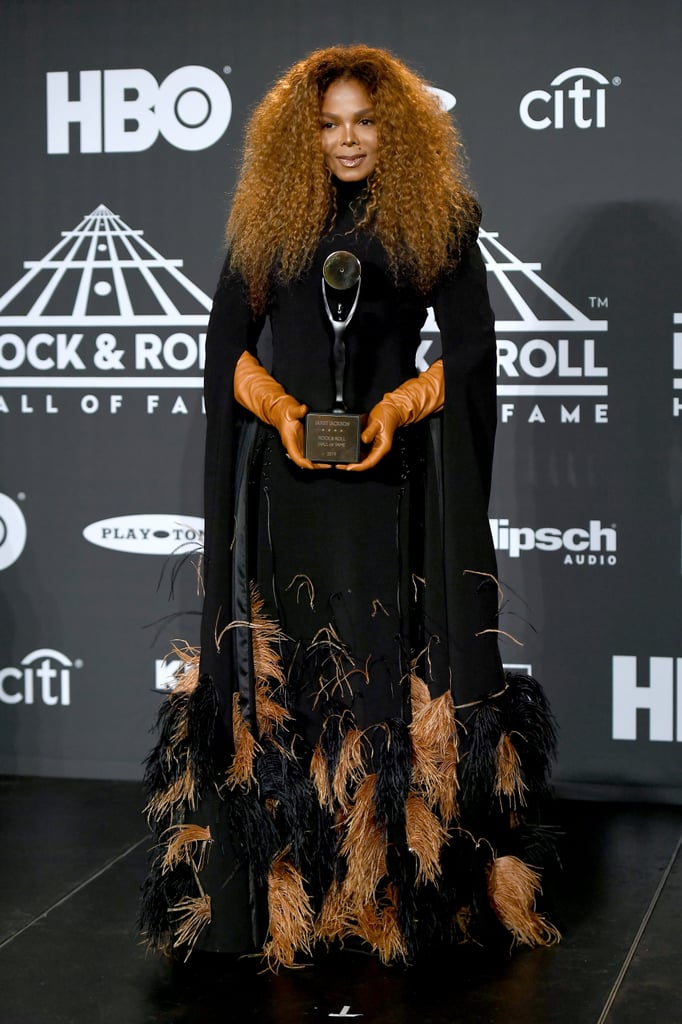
(349, 136)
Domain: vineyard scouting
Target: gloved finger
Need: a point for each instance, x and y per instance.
(375, 455)
(371, 431)
(292, 439)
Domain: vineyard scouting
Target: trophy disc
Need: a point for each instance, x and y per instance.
(341, 270)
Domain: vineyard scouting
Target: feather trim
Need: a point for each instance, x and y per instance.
(529, 718)
(159, 892)
(185, 843)
(508, 779)
(179, 793)
(512, 888)
(270, 713)
(181, 765)
(479, 767)
(433, 731)
(335, 920)
(266, 635)
(425, 838)
(364, 846)
(186, 674)
(194, 913)
(350, 768)
(320, 777)
(393, 756)
(377, 923)
(241, 771)
(420, 695)
(291, 915)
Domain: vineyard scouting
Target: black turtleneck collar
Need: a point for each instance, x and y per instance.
(348, 191)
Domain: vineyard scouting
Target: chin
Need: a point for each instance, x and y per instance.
(358, 173)
(351, 175)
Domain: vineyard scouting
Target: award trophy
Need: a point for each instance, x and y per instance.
(334, 437)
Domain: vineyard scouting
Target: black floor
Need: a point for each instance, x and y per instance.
(72, 855)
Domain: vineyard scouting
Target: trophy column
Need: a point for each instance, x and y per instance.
(334, 437)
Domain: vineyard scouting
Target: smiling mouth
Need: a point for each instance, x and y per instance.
(351, 161)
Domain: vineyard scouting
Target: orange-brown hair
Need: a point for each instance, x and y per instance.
(418, 205)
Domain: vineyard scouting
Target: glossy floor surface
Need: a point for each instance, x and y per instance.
(72, 855)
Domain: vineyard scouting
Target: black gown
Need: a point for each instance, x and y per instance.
(347, 758)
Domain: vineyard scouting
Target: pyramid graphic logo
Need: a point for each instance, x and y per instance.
(95, 275)
(558, 357)
(516, 284)
(103, 309)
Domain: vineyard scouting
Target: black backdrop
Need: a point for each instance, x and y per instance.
(115, 187)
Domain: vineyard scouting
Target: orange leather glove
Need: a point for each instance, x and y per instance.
(260, 393)
(412, 401)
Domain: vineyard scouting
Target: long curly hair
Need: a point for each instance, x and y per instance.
(418, 202)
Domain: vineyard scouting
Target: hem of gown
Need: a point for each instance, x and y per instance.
(402, 838)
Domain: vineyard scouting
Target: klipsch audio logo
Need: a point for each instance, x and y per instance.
(43, 677)
(592, 544)
(658, 695)
(12, 531)
(126, 109)
(577, 97)
(677, 366)
(148, 534)
(102, 321)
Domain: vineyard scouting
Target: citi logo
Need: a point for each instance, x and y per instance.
(12, 531)
(148, 534)
(660, 695)
(44, 676)
(578, 97)
(593, 545)
(124, 110)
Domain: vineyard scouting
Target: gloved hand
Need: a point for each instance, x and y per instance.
(417, 398)
(260, 393)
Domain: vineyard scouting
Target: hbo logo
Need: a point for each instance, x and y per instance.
(123, 111)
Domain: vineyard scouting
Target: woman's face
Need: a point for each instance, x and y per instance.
(348, 130)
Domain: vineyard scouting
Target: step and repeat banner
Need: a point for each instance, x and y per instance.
(122, 129)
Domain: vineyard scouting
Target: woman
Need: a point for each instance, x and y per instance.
(349, 759)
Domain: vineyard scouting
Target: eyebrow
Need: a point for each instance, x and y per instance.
(356, 113)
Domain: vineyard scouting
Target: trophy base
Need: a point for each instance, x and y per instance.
(332, 437)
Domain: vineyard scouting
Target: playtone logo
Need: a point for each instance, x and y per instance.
(102, 311)
(12, 531)
(578, 97)
(44, 677)
(148, 534)
(594, 545)
(660, 697)
(125, 110)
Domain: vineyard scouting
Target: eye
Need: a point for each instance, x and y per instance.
(366, 121)
(327, 124)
